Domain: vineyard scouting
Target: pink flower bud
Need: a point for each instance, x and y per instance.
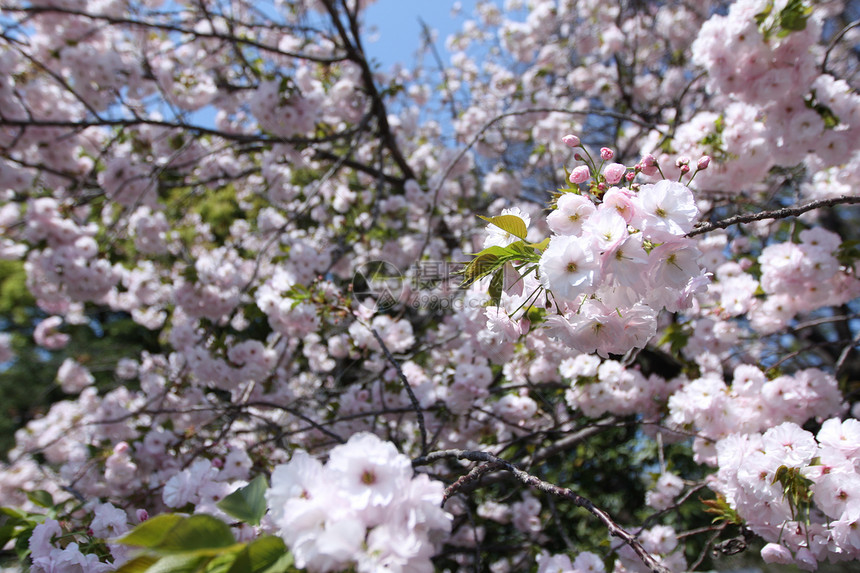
(630, 176)
(606, 154)
(570, 140)
(579, 175)
(775, 553)
(805, 559)
(578, 157)
(685, 169)
(703, 162)
(614, 172)
(142, 515)
(682, 160)
(648, 165)
(525, 325)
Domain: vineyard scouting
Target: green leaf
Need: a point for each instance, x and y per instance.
(265, 553)
(284, 564)
(225, 562)
(139, 564)
(7, 532)
(178, 564)
(793, 17)
(495, 289)
(41, 498)
(484, 263)
(152, 531)
(509, 223)
(199, 533)
(762, 16)
(16, 514)
(540, 246)
(247, 504)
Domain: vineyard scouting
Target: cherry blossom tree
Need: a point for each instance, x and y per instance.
(577, 293)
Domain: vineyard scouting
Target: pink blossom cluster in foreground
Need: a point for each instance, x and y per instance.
(363, 508)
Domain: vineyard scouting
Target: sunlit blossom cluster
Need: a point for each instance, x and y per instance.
(799, 491)
(212, 181)
(364, 507)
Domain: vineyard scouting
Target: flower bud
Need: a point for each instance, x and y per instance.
(570, 140)
(648, 165)
(682, 160)
(579, 175)
(685, 169)
(805, 559)
(614, 172)
(606, 154)
(142, 515)
(703, 162)
(776, 553)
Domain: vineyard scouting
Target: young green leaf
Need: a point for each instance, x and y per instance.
(495, 289)
(139, 564)
(247, 504)
(178, 564)
(41, 498)
(509, 223)
(202, 533)
(151, 532)
(261, 556)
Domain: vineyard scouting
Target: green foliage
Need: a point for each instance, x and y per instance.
(676, 335)
(17, 525)
(15, 298)
(172, 543)
(722, 511)
(830, 119)
(796, 488)
(247, 504)
(28, 385)
(792, 18)
(713, 142)
(509, 223)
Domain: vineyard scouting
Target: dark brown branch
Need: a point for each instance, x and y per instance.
(783, 213)
(355, 53)
(35, 10)
(835, 41)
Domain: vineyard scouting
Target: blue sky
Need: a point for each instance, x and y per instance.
(398, 32)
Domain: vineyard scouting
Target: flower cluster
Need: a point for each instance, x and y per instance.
(364, 507)
(210, 183)
(797, 490)
(617, 256)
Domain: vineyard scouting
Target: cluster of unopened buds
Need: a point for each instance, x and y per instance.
(618, 254)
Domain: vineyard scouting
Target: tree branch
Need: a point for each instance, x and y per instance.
(783, 213)
(491, 462)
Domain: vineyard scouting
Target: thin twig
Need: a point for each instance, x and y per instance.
(843, 357)
(525, 478)
(412, 397)
(835, 41)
